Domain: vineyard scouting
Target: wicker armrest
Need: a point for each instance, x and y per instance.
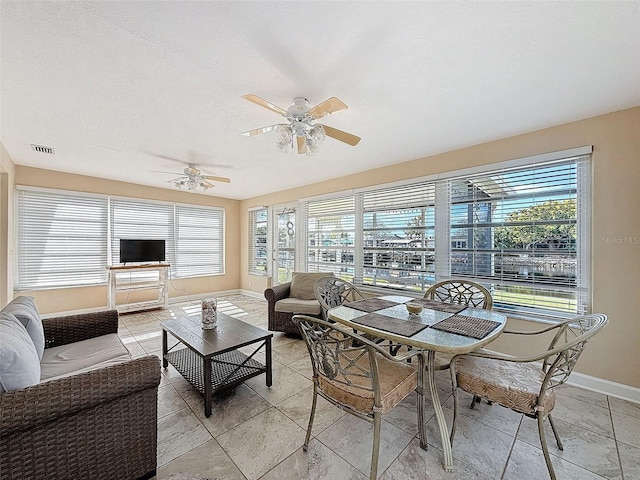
(75, 328)
(29, 407)
(277, 292)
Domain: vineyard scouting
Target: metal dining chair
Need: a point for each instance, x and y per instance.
(521, 383)
(463, 292)
(333, 292)
(355, 374)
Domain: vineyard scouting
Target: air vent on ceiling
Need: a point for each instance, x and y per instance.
(43, 149)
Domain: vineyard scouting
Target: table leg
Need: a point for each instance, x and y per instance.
(165, 364)
(206, 373)
(442, 422)
(268, 362)
(421, 390)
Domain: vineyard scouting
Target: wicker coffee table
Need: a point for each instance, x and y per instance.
(210, 360)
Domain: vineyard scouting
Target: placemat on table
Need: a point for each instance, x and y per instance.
(371, 304)
(440, 306)
(467, 326)
(406, 328)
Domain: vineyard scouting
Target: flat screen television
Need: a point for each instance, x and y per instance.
(132, 251)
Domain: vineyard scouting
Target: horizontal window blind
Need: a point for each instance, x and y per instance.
(330, 236)
(258, 241)
(68, 238)
(61, 239)
(520, 228)
(516, 230)
(199, 241)
(399, 236)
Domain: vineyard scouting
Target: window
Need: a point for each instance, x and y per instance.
(61, 239)
(520, 228)
(199, 241)
(258, 241)
(331, 236)
(67, 238)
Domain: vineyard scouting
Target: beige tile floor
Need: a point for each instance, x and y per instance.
(258, 432)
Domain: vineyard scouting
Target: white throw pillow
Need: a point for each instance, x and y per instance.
(24, 308)
(19, 362)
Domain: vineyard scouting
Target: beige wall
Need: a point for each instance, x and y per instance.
(614, 354)
(59, 300)
(7, 174)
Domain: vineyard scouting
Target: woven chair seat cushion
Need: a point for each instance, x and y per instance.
(295, 305)
(512, 385)
(397, 380)
(84, 356)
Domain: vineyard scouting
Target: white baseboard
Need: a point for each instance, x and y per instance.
(618, 390)
(249, 293)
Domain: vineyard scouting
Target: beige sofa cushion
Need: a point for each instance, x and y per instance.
(294, 305)
(302, 284)
(84, 356)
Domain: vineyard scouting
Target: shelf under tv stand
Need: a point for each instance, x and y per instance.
(122, 279)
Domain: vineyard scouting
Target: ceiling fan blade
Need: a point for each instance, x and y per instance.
(342, 136)
(171, 173)
(258, 131)
(330, 105)
(302, 146)
(217, 179)
(206, 184)
(263, 103)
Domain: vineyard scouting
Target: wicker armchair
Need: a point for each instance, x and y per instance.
(100, 425)
(356, 375)
(291, 298)
(520, 384)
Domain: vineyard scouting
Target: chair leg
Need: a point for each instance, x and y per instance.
(545, 450)
(455, 414)
(555, 433)
(375, 453)
(311, 417)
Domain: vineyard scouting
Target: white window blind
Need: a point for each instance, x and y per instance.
(61, 239)
(516, 230)
(399, 236)
(199, 241)
(330, 236)
(258, 241)
(139, 219)
(68, 238)
(520, 228)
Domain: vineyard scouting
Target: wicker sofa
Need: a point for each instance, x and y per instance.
(292, 298)
(100, 423)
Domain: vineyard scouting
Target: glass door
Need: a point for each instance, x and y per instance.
(284, 241)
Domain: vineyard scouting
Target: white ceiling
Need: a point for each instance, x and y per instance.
(113, 85)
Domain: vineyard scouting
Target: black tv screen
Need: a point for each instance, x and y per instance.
(141, 251)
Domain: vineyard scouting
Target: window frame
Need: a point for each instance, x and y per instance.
(443, 239)
(254, 244)
(109, 239)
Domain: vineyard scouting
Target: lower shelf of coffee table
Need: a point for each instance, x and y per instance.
(228, 369)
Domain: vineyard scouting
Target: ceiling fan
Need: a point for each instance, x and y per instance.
(192, 178)
(301, 127)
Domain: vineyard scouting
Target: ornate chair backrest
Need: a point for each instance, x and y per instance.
(567, 346)
(460, 291)
(332, 292)
(340, 356)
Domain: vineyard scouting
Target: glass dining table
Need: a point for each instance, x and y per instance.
(439, 327)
